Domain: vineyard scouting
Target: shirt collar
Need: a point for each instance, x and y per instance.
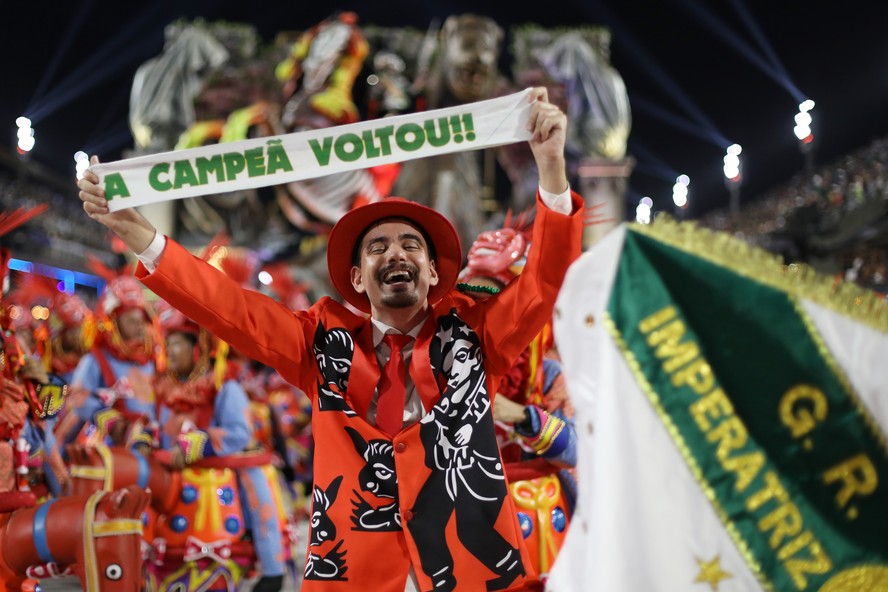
(380, 329)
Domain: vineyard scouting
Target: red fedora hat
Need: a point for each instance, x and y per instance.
(350, 228)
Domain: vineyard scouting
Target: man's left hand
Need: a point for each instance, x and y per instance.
(548, 126)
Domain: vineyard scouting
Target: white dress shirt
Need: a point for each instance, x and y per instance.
(413, 409)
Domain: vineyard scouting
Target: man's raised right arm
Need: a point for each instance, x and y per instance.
(254, 323)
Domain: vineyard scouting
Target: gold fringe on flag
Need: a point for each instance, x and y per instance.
(754, 263)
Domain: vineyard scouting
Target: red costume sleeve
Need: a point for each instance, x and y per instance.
(254, 323)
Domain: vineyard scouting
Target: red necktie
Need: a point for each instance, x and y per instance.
(392, 386)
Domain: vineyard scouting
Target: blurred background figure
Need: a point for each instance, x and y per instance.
(115, 378)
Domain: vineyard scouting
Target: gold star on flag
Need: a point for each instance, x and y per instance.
(711, 573)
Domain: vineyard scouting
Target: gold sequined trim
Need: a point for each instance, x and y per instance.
(839, 373)
(795, 279)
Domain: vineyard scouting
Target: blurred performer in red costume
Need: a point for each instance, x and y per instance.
(28, 396)
(114, 380)
(202, 413)
(71, 334)
(68, 333)
(59, 344)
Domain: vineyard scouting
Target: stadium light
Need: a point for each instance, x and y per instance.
(265, 278)
(803, 121)
(81, 160)
(643, 210)
(25, 135)
(732, 163)
(680, 191)
(804, 132)
(733, 175)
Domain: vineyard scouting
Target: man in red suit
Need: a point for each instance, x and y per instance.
(409, 489)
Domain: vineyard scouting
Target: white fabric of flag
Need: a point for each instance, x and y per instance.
(643, 522)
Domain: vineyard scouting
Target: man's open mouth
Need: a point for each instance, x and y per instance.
(397, 276)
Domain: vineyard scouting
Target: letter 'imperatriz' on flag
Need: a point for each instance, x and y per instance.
(274, 160)
(732, 414)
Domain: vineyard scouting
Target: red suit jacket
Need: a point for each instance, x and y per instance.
(434, 497)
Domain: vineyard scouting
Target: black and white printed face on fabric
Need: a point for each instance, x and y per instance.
(331, 565)
(378, 478)
(334, 351)
(458, 433)
(464, 366)
(456, 354)
(322, 527)
(378, 473)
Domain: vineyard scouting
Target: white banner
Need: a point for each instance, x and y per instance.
(274, 160)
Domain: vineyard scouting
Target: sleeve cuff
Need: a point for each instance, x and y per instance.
(52, 396)
(558, 202)
(151, 255)
(106, 419)
(195, 446)
(548, 438)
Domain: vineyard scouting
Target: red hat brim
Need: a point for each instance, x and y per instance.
(351, 227)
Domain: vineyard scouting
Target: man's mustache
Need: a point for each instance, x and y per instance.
(387, 269)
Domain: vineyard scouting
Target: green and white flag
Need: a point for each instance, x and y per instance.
(732, 415)
(275, 160)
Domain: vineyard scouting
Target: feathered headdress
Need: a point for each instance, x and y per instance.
(291, 293)
(123, 292)
(236, 264)
(27, 301)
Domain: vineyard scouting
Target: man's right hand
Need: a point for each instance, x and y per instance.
(132, 228)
